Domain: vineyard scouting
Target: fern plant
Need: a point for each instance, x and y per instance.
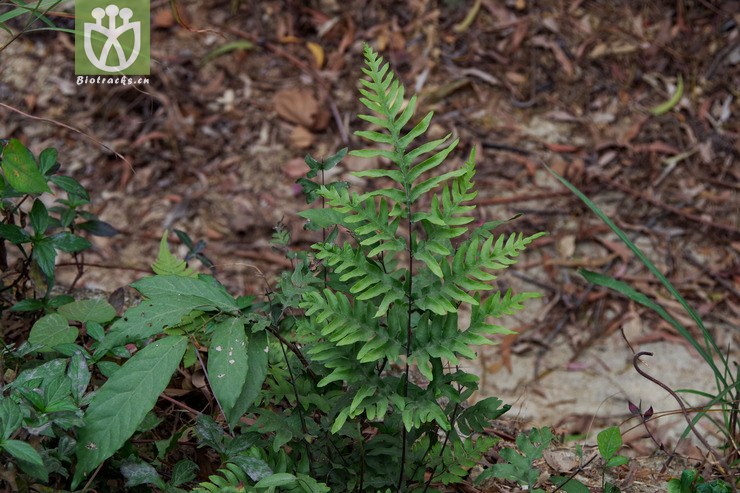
(316, 383)
(391, 298)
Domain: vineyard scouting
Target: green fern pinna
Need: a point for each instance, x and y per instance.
(391, 297)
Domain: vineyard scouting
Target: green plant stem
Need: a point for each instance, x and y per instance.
(409, 336)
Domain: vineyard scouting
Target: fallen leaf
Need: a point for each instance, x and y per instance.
(296, 105)
(318, 53)
(566, 245)
(562, 460)
(295, 168)
(301, 137)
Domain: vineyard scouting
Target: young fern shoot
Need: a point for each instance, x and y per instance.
(392, 298)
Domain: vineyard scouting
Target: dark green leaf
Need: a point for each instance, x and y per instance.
(71, 186)
(47, 160)
(183, 472)
(257, 372)
(14, 234)
(122, 402)
(209, 432)
(10, 418)
(22, 451)
(45, 255)
(39, 217)
(28, 305)
(70, 243)
(98, 228)
(210, 292)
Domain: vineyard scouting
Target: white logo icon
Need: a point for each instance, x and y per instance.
(112, 33)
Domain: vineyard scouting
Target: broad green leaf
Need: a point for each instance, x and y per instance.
(22, 451)
(609, 441)
(257, 352)
(52, 330)
(147, 319)
(10, 417)
(122, 402)
(93, 310)
(39, 217)
(21, 170)
(227, 363)
(57, 395)
(47, 371)
(70, 243)
(204, 287)
(14, 234)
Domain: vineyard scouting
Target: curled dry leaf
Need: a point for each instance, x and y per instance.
(300, 106)
(561, 460)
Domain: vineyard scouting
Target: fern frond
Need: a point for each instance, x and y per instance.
(168, 264)
(478, 416)
(383, 95)
(448, 213)
(229, 478)
(372, 225)
(370, 280)
(469, 271)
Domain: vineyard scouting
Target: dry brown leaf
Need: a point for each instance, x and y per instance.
(295, 168)
(297, 105)
(301, 137)
(562, 460)
(566, 245)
